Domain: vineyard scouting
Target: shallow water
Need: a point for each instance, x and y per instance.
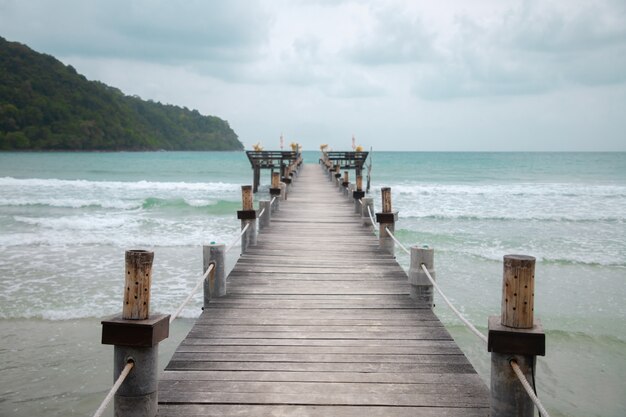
(67, 218)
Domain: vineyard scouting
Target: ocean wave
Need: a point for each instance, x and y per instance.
(543, 217)
(117, 185)
(513, 190)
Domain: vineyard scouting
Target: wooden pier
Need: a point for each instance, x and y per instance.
(317, 321)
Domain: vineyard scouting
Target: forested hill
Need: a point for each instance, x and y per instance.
(46, 105)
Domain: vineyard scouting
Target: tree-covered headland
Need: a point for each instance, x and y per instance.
(46, 105)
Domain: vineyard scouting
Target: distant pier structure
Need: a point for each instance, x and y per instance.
(272, 160)
(286, 161)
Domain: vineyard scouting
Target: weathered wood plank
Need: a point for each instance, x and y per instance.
(318, 322)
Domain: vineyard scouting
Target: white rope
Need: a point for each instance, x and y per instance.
(184, 303)
(262, 211)
(408, 252)
(360, 201)
(237, 239)
(272, 202)
(463, 319)
(114, 389)
(529, 390)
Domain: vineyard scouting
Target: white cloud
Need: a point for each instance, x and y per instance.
(399, 74)
(532, 49)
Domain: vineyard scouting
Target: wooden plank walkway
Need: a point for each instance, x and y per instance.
(318, 322)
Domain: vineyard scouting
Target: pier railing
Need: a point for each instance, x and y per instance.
(136, 333)
(514, 338)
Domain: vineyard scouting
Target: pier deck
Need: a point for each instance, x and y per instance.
(318, 322)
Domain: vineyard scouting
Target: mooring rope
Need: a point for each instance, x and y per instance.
(457, 312)
(114, 388)
(184, 303)
(408, 252)
(529, 390)
(237, 239)
(262, 211)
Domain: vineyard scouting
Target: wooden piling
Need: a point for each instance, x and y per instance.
(385, 194)
(138, 279)
(246, 197)
(514, 336)
(135, 336)
(518, 291)
(248, 218)
(386, 220)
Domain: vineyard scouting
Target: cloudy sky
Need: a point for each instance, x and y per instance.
(447, 75)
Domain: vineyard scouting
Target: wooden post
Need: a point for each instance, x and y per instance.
(421, 288)
(514, 336)
(135, 335)
(247, 200)
(248, 218)
(358, 195)
(385, 194)
(138, 279)
(275, 191)
(518, 292)
(386, 220)
(337, 175)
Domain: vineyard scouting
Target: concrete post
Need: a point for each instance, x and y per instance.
(365, 217)
(265, 219)
(421, 288)
(215, 253)
(137, 396)
(514, 336)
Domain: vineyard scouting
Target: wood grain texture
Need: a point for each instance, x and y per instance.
(318, 322)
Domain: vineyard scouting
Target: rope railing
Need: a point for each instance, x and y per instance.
(237, 239)
(408, 252)
(261, 213)
(529, 390)
(114, 388)
(457, 312)
(193, 291)
(518, 372)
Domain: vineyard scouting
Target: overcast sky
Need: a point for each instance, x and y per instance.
(490, 75)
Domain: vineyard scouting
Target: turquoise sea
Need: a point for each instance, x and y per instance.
(67, 218)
